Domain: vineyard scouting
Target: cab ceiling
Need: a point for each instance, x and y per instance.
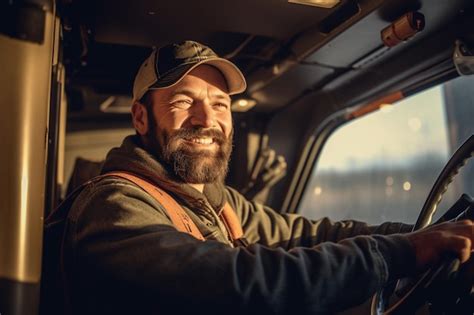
(151, 22)
(285, 50)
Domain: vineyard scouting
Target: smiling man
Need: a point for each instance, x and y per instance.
(122, 253)
(189, 125)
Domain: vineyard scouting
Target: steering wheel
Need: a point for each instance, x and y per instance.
(449, 276)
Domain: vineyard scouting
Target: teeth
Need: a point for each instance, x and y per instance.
(202, 140)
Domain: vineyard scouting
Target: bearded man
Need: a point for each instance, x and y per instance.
(122, 253)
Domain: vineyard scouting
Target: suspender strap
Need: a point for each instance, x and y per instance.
(178, 216)
(232, 222)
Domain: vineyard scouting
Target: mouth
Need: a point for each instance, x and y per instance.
(200, 141)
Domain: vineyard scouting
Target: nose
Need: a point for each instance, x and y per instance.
(203, 115)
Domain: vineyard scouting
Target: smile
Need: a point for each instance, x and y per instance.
(201, 140)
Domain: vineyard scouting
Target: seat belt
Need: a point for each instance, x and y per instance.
(178, 215)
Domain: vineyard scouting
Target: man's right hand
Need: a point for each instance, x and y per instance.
(434, 242)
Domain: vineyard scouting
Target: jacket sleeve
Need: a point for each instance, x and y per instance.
(123, 255)
(263, 225)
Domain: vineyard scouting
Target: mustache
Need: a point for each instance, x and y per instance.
(189, 133)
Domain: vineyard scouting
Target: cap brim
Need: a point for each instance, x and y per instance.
(235, 79)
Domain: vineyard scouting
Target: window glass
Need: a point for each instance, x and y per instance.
(382, 166)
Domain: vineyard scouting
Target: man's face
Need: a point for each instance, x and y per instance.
(190, 127)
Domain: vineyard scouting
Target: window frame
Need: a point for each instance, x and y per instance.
(320, 135)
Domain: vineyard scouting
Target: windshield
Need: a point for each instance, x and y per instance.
(382, 166)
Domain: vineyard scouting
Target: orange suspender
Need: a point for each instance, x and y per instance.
(178, 216)
(232, 222)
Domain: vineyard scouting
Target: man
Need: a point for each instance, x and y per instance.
(122, 253)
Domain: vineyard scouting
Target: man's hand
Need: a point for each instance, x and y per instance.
(432, 243)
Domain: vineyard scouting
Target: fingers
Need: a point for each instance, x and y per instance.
(462, 247)
(466, 229)
(462, 228)
(465, 222)
(459, 237)
(450, 237)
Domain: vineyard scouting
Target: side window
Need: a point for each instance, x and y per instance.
(382, 166)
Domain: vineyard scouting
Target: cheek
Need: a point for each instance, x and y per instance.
(170, 121)
(225, 121)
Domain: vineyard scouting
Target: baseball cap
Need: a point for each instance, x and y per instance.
(167, 65)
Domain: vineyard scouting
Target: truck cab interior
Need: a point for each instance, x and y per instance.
(352, 111)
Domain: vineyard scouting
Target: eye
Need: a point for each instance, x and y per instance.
(182, 103)
(221, 106)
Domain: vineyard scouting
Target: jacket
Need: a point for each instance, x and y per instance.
(122, 254)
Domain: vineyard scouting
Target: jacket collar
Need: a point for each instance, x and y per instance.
(132, 157)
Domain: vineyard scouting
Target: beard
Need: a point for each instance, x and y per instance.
(187, 161)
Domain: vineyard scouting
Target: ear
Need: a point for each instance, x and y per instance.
(140, 118)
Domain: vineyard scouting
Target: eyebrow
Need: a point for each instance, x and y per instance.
(191, 93)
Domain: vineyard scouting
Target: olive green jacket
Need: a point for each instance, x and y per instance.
(122, 254)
